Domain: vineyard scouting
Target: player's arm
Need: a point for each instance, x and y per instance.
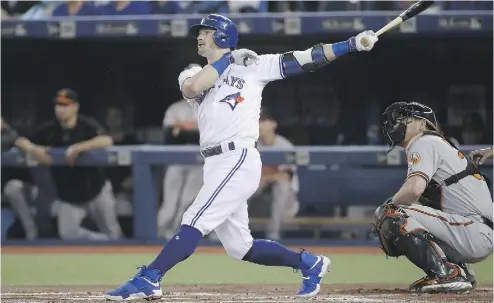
(9, 135)
(37, 140)
(10, 138)
(411, 190)
(423, 161)
(101, 141)
(207, 76)
(479, 156)
(97, 138)
(37, 143)
(199, 82)
(297, 62)
(279, 66)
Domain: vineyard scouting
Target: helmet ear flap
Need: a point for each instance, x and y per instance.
(220, 39)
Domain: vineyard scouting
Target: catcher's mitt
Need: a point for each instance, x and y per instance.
(388, 210)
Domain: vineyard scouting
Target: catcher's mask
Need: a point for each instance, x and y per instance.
(397, 116)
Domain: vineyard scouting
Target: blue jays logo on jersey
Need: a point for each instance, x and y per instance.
(233, 100)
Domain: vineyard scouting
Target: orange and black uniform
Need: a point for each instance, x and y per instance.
(77, 184)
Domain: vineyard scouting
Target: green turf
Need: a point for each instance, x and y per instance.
(109, 269)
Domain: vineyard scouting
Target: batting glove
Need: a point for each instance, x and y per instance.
(244, 57)
(365, 41)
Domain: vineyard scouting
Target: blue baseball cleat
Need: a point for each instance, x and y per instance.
(318, 267)
(144, 285)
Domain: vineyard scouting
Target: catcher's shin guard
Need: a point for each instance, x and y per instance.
(415, 244)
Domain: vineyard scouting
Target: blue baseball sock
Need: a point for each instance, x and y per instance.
(179, 248)
(271, 253)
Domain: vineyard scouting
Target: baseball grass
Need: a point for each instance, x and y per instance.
(204, 268)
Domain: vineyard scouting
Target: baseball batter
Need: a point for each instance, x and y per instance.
(441, 218)
(181, 182)
(225, 96)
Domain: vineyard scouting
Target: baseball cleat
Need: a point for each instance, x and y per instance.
(417, 285)
(318, 267)
(144, 285)
(456, 282)
(469, 274)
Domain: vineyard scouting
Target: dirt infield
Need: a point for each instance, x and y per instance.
(243, 293)
(226, 292)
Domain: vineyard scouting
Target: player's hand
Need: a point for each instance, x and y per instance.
(71, 154)
(391, 203)
(187, 125)
(479, 156)
(41, 154)
(365, 41)
(192, 69)
(127, 183)
(244, 57)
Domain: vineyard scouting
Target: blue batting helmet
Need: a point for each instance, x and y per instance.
(226, 35)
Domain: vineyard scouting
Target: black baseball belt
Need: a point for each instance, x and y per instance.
(217, 150)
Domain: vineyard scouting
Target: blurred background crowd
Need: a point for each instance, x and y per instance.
(44, 9)
(129, 86)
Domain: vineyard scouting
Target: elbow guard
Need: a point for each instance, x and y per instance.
(296, 62)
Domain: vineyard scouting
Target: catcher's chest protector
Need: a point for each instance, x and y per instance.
(432, 195)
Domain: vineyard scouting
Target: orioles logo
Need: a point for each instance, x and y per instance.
(413, 158)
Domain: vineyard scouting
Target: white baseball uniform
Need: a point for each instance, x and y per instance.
(181, 182)
(228, 116)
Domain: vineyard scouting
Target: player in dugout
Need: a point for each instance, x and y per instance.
(181, 183)
(279, 184)
(17, 184)
(81, 190)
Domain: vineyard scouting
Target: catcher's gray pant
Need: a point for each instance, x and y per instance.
(18, 193)
(284, 204)
(182, 183)
(102, 210)
(471, 240)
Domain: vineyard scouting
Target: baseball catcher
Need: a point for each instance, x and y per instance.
(441, 218)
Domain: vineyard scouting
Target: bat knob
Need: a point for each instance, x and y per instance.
(365, 42)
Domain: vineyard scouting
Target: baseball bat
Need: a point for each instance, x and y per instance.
(410, 12)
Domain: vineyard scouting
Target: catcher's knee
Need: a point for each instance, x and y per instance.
(389, 233)
(417, 245)
(397, 237)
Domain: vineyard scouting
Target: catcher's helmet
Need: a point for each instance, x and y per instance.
(226, 35)
(395, 118)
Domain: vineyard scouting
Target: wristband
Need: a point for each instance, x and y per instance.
(344, 47)
(222, 63)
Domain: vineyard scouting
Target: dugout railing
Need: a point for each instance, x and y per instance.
(362, 175)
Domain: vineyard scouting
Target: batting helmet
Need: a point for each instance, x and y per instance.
(395, 118)
(226, 35)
